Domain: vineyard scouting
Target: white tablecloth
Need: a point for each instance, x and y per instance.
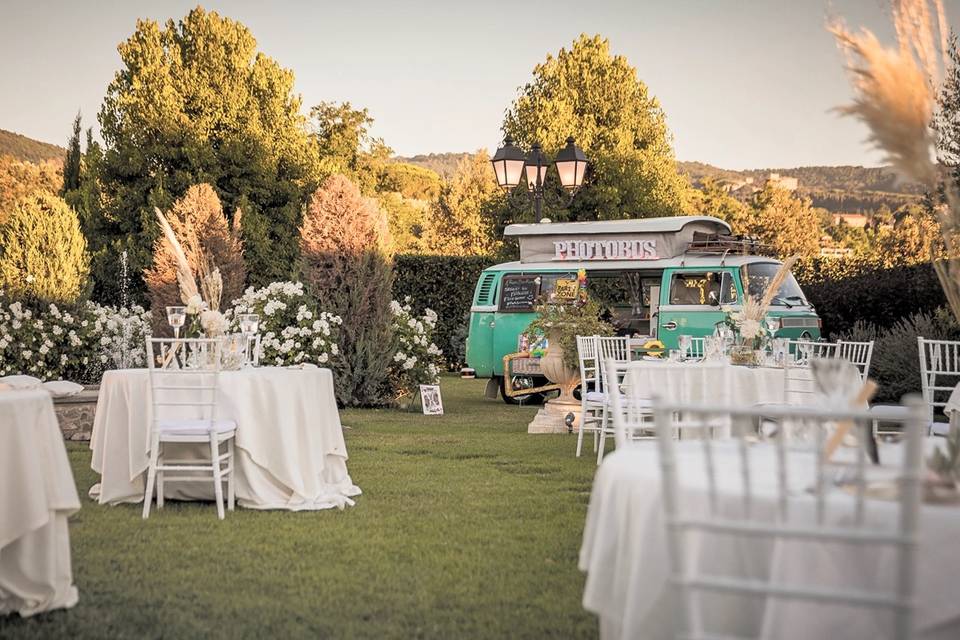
(624, 555)
(707, 382)
(37, 494)
(290, 448)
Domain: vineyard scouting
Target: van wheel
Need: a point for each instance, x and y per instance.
(520, 382)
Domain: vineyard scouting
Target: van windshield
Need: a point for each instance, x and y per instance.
(756, 278)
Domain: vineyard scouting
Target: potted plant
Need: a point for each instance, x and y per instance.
(561, 323)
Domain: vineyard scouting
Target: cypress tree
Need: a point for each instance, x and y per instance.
(71, 165)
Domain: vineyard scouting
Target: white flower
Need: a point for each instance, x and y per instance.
(323, 358)
(195, 304)
(398, 356)
(334, 349)
(395, 307)
(213, 323)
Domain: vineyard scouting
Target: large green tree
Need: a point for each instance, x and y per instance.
(196, 102)
(462, 224)
(784, 221)
(596, 97)
(947, 119)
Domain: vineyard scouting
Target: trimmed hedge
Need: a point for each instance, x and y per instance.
(845, 292)
(444, 284)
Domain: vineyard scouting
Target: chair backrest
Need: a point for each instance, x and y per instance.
(589, 363)
(939, 372)
(616, 349)
(183, 377)
(697, 348)
(798, 384)
(858, 354)
(766, 498)
(805, 349)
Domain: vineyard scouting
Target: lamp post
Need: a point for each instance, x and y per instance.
(511, 166)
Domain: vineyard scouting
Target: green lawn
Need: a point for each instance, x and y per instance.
(467, 528)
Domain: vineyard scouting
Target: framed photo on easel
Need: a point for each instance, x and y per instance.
(430, 400)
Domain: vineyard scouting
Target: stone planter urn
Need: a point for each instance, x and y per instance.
(555, 415)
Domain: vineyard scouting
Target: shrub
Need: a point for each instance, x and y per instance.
(345, 264)
(292, 330)
(896, 362)
(417, 359)
(76, 342)
(43, 254)
(444, 284)
(201, 227)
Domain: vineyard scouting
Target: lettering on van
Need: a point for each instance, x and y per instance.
(605, 250)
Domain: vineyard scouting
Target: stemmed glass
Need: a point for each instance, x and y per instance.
(685, 342)
(176, 317)
(249, 327)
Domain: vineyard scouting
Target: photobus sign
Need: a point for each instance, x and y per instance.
(605, 250)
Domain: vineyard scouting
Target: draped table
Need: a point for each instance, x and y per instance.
(37, 494)
(625, 558)
(290, 451)
(704, 382)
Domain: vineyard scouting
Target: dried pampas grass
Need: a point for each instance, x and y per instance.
(185, 278)
(896, 97)
(754, 309)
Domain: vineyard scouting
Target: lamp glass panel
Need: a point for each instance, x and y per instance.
(568, 173)
(514, 172)
(500, 169)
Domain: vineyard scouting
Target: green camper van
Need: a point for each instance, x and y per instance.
(656, 277)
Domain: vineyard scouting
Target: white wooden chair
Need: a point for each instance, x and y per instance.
(591, 390)
(183, 387)
(858, 354)
(803, 350)
(614, 355)
(739, 517)
(939, 375)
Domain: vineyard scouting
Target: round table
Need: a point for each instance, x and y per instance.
(290, 448)
(37, 494)
(624, 555)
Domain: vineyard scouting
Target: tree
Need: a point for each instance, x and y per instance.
(71, 164)
(345, 145)
(21, 178)
(200, 225)
(346, 265)
(462, 224)
(947, 119)
(409, 180)
(711, 199)
(913, 238)
(408, 219)
(785, 222)
(595, 96)
(43, 254)
(195, 102)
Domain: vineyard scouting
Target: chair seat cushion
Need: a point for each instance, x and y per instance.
(193, 426)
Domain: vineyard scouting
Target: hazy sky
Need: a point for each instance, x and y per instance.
(743, 84)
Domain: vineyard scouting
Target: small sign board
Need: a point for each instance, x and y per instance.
(519, 294)
(430, 400)
(567, 289)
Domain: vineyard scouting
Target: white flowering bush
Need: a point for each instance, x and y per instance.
(292, 330)
(417, 359)
(73, 343)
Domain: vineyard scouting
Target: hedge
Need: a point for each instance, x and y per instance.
(444, 284)
(844, 292)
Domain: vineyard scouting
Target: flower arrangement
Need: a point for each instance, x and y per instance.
(203, 310)
(747, 323)
(76, 343)
(292, 330)
(417, 359)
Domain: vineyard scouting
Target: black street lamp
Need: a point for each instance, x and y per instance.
(511, 165)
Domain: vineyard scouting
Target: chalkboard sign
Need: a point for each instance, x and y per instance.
(519, 293)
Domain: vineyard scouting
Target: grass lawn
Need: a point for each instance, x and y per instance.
(467, 528)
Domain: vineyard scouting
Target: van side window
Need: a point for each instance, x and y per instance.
(695, 287)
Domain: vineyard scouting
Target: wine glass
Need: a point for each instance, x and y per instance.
(684, 342)
(772, 325)
(249, 326)
(176, 317)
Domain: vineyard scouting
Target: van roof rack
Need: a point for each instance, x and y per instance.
(724, 244)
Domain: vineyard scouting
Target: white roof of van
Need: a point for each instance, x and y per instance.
(711, 261)
(641, 225)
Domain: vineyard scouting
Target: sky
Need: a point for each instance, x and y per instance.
(743, 84)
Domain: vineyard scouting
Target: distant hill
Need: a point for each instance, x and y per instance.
(444, 164)
(850, 189)
(24, 148)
